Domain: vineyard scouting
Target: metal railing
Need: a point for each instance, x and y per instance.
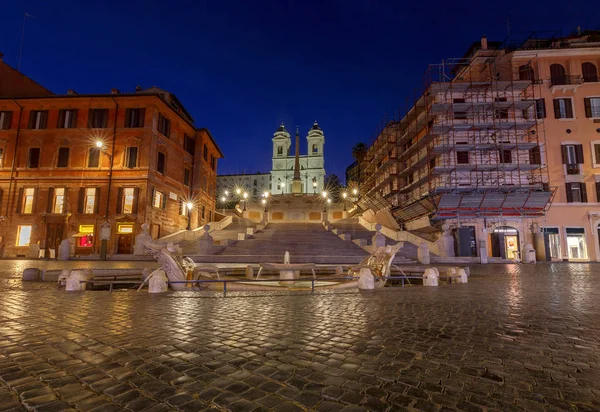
(566, 79)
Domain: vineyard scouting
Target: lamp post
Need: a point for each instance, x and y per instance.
(223, 201)
(189, 205)
(314, 180)
(104, 239)
(344, 195)
(245, 200)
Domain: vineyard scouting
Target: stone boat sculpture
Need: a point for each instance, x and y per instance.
(376, 268)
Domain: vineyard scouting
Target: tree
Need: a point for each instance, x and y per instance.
(359, 151)
(333, 186)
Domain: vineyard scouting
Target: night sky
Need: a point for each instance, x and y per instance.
(242, 67)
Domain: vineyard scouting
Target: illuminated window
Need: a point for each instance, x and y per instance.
(90, 200)
(59, 200)
(87, 236)
(23, 235)
(124, 229)
(158, 199)
(128, 196)
(28, 196)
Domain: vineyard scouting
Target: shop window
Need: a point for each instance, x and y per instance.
(86, 236)
(553, 241)
(23, 235)
(576, 243)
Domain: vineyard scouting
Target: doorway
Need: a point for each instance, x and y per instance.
(54, 235)
(505, 242)
(576, 247)
(124, 238)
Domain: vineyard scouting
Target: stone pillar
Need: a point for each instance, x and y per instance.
(158, 282)
(430, 278)
(423, 255)
(378, 240)
(64, 250)
(528, 254)
(483, 257)
(366, 280)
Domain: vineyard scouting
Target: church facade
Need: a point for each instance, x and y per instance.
(312, 165)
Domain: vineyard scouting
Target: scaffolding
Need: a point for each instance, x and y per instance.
(472, 145)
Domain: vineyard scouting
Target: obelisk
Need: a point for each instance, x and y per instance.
(297, 181)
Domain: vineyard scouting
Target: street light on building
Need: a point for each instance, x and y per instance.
(189, 205)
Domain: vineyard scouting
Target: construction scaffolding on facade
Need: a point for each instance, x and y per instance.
(471, 145)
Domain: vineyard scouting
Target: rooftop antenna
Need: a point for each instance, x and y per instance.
(25, 15)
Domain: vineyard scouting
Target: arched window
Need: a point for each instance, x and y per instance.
(315, 149)
(526, 72)
(279, 151)
(557, 74)
(590, 72)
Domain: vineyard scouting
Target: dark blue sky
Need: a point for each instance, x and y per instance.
(242, 67)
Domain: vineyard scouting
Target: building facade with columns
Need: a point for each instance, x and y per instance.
(312, 165)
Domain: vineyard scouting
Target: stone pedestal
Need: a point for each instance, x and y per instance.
(249, 231)
(378, 240)
(64, 250)
(366, 280)
(241, 236)
(462, 276)
(483, 257)
(158, 282)
(205, 243)
(287, 275)
(34, 251)
(529, 254)
(423, 255)
(430, 278)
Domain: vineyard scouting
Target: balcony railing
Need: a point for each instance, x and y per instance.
(572, 169)
(565, 80)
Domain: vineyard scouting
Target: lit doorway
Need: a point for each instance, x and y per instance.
(505, 242)
(576, 243)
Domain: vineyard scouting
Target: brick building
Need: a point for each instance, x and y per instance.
(70, 163)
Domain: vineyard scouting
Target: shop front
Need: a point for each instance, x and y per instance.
(505, 242)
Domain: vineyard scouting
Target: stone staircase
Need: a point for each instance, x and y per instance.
(306, 242)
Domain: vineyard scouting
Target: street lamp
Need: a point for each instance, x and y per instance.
(355, 191)
(266, 194)
(238, 190)
(104, 149)
(264, 202)
(189, 205)
(223, 201)
(245, 200)
(314, 180)
(344, 195)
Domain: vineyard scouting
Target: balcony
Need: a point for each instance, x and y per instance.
(572, 169)
(565, 80)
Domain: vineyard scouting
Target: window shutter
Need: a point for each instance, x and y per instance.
(142, 114)
(20, 201)
(569, 107)
(565, 156)
(583, 187)
(127, 117)
(164, 201)
(557, 108)
(61, 119)
(569, 193)
(80, 199)
(7, 120)
(134, 207)
(588, 107)
(73, 118)
(579, 153)
(44, 122)
(97, 201)
(598, 191)
(90, 118)
(31, 119)
(119, 201)
(50, 200)
(1, 193)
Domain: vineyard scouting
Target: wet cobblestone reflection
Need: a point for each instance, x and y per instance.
(522, 338)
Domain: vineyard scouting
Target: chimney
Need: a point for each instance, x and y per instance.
(114, 91)
(71, 92)
(484, 44)
(138, 88)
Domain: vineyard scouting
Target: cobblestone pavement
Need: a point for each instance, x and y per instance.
(522, 338)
